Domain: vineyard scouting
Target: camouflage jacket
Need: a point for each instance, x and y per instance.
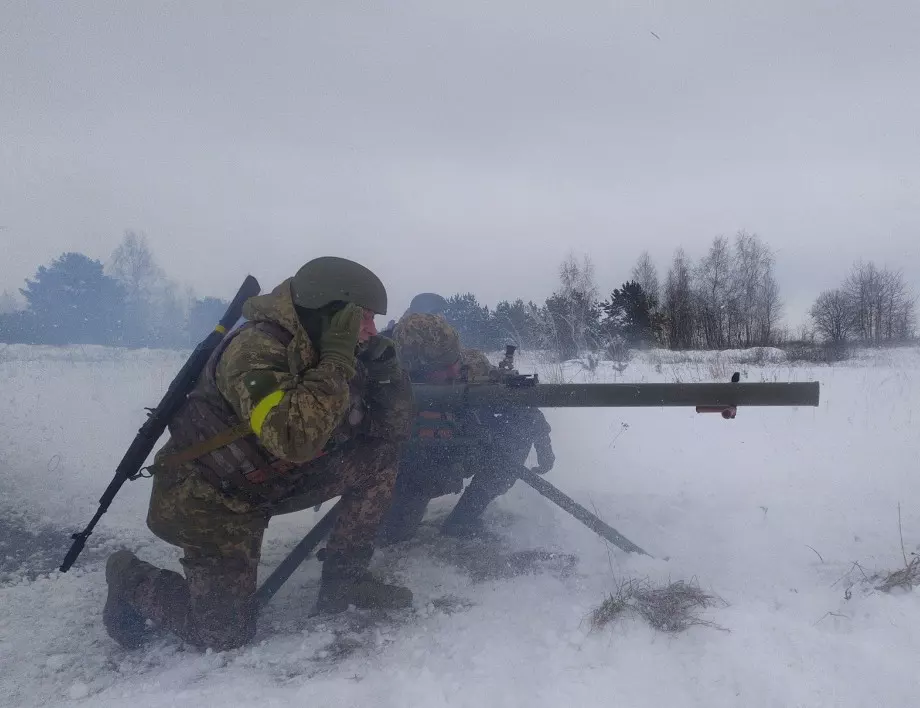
(267, 380)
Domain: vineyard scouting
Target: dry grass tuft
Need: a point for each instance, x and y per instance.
(668, 608)
(906, 578)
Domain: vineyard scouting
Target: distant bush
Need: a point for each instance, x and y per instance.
(829, 353)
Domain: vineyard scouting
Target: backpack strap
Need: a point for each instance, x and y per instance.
(193, 452)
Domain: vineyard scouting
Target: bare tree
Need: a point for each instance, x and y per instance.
(679, 303)
(573, 311)
(646, 274)
(805, 334)
(769, 308)
(833, 316)
(759, 305)
(133, 265)
(882, 305)
(154, 315)
(898, 322)
(575, 276)
(906, 324)
(715, 286)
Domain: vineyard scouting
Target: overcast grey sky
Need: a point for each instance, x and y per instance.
(456, 146)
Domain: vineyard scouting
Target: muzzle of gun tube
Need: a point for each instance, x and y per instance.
(727, 412)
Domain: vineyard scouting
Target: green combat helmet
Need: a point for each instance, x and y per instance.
(427, 304)
(331, 279)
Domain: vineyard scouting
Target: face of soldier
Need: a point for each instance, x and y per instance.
(368, 327)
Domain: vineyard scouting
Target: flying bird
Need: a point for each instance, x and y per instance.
(654, 35)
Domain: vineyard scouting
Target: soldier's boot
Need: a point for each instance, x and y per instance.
(123, 573)
(464, 520)
(403, 519)
(347, 581)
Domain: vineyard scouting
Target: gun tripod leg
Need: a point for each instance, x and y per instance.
(578, 511)
(292, 562)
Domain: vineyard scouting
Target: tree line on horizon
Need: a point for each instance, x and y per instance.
(127, 302)
(729, 298)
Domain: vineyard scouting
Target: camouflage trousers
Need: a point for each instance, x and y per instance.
(221, 539)
(418, 483)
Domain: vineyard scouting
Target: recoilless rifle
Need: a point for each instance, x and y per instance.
(507, 389)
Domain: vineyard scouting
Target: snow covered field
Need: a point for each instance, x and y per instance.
(769, 511)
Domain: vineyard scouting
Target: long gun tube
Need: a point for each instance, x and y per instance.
(639, 395)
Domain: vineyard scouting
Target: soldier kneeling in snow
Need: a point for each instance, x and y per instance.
(302, 403)
(446, 448)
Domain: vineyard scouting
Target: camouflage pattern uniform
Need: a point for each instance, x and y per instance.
(427, 343)
(476, 364)
(326, 434)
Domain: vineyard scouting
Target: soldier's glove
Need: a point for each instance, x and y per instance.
(545, 459)
(380, 360)
(339, 339)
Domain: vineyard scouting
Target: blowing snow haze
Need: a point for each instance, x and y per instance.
(461, 146)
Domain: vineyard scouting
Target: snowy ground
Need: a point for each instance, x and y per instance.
(769, 511)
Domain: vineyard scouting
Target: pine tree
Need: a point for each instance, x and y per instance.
(72, 301)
